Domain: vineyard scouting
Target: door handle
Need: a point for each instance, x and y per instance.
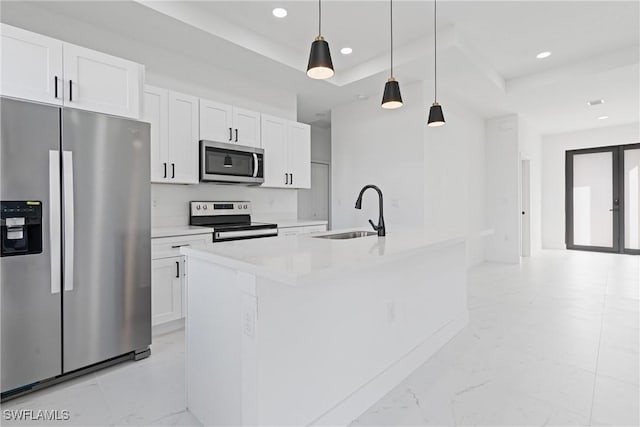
(177, 269)
(236, 134)
(68, 230)
(173, 170)
(286, 179)
(255, 165)
(180, 246)
(291, 179)
(54, 220)
(613, 210)
(165, 170)
(230, 134)
(70, 90)
(55, 89)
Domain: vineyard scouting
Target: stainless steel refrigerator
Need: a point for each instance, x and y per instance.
(80, 182)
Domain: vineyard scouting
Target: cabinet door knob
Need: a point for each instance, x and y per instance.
(70, 90)
(236, 135)
(177, 269)
(286, 178)
(291, 178)
(173, 170)
(55, 89)
(230, 134)
(165, 170)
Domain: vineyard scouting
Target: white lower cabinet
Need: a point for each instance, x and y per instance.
(168, 276)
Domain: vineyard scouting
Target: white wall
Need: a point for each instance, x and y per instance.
(553, 166)
(503, 188)
(530, 143)
(431, 177)
(454, 177)
(371, 145)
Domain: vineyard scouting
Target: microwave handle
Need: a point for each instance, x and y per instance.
(255, 165)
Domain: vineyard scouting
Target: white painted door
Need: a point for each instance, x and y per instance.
(155, 110)
(99, 82)
(299, 154)
(274, 142)
(166, 289)
(31, 65)
(314, 202)
(246, 125)
(183, 139)
(216, 121)
(525, 208)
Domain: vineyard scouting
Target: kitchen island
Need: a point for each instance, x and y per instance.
(303, 330)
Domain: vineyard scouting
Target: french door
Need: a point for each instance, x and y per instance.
(603, 199)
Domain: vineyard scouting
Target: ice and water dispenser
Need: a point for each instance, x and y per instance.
(21, 227)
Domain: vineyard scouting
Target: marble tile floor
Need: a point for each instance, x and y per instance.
(553, 341)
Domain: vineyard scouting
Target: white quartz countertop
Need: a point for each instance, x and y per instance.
(289, 259)
(179, 230)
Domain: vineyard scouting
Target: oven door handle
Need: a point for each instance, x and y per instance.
(263, 232)
(255, 165)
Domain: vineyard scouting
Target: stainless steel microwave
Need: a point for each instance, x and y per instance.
(231, 163)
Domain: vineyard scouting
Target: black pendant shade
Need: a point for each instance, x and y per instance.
(436, 118)
(391, 97)
(227, 161)
(320, 65)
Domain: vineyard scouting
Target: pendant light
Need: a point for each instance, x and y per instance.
(228, 163)
(320, 65)
(391, 97)
(436, 118)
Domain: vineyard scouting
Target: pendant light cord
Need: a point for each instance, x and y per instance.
(319, 17)
(391, 19)
(435, 55)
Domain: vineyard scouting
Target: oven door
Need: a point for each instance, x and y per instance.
(220, 162)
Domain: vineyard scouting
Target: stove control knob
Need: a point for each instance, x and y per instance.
(204, 207)
(239, 206)
(198, 207)
(245, 206)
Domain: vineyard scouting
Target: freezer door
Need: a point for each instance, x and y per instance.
(30, 284)
(106, 237)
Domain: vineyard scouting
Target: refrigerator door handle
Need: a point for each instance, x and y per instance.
(67, 169)
(54, 220)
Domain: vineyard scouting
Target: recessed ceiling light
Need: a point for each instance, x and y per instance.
(543, 55)
(346, 51)
(603, 117)
(595, 102)
(279, 12)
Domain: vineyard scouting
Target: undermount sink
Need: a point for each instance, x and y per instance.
(347, 235)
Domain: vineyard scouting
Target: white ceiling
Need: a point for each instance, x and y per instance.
(486, 50)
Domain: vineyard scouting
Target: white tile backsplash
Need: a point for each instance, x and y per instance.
(170, 203)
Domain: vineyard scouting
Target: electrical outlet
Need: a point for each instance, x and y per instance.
(391, 311)
(154, 203)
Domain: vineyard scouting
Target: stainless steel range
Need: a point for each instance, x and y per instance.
(230, 220)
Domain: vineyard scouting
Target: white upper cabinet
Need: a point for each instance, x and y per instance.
(174, 135)
(299, 154)
(226, 123)
(31, 65)
(216, 121)
(155, 110)
(246, 127)
(39, 68)
(274, 143)
(99, 82)
(287, 147)
(183, 138)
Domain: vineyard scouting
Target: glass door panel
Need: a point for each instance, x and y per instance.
(632, 199)
(592, 196)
